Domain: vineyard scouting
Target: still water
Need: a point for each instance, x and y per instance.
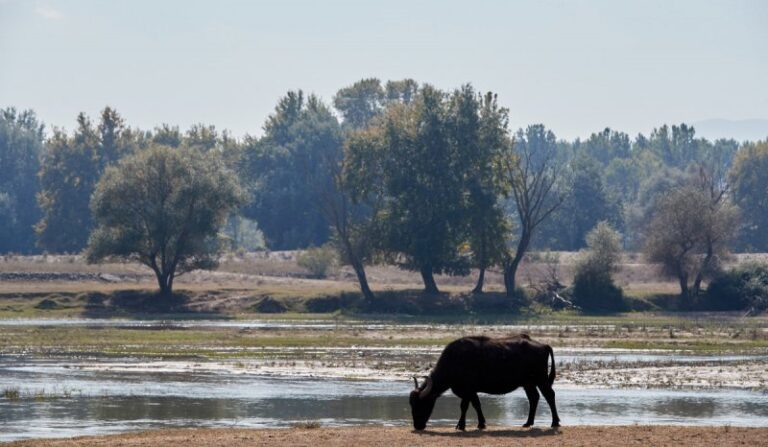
(87, 401)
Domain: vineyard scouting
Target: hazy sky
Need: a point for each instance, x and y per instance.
(576, 66)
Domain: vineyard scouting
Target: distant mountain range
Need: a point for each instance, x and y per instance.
(740, 130)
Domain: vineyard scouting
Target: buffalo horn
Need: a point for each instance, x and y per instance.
(427, 389)
(415, 382)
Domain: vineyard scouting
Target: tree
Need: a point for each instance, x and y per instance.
(349, 206)
(412, 159)
(593, 286)
(750, 193)
(115, 138)
(531, 173)
(163, 207)
(202, 137)
(481, 129)
(360, 102)
(68, 175)
(167, 135)
(607, 146)
(622, 177)
(639, 212)
(21, 147)
(676, 145)
(402, 91)
(586, 201)
(299, 136)
(350, 209)
(688, 232)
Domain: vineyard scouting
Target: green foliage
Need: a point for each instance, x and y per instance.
(593, 286)
(71, 167)
(318, 260)
(21, 146)
(163, 207)
(243, 234)
(742, 288)
(287, 175)
(750, 192)
(604, 247)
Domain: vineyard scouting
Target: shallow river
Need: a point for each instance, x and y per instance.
(83, 401)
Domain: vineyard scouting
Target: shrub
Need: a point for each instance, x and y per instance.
(345, 301)
(593, 286)
(593, 289)
(743, 287)
(317, 260)
(269, 305)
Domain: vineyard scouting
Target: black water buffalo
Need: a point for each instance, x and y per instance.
(472, 365)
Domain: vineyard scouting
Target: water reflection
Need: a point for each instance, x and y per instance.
(338, 403)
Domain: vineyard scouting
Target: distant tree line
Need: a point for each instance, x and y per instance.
(433, 181)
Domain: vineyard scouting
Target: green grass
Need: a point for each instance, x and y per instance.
(627, 331)
(12, 393)
(15, 394)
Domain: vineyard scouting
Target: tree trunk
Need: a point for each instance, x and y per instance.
(480, 280)
(685, 295)
(510, 271)
(510, 268)
(702, 271)
(166, 287)
(164, 281)
(430, 286)
(363, 280)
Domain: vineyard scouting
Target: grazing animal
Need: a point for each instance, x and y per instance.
(472, 365)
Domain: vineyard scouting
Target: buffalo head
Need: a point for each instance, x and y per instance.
(422, 402)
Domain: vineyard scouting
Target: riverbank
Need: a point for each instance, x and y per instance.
(311, 435)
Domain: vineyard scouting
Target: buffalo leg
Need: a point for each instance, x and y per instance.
(549, 395)
(480, 418)
(533, 402)
(463, 419)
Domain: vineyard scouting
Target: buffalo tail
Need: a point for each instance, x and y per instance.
(552, 372)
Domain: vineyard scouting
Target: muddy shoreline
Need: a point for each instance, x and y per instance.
(311, 435)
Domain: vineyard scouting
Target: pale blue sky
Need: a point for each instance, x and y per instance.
(576, 66)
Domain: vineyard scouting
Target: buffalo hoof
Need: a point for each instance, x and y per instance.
(527, 424)
(481, 426)
(460, 427)
(555, 424)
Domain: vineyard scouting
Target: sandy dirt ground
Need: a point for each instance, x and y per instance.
(440, 436)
